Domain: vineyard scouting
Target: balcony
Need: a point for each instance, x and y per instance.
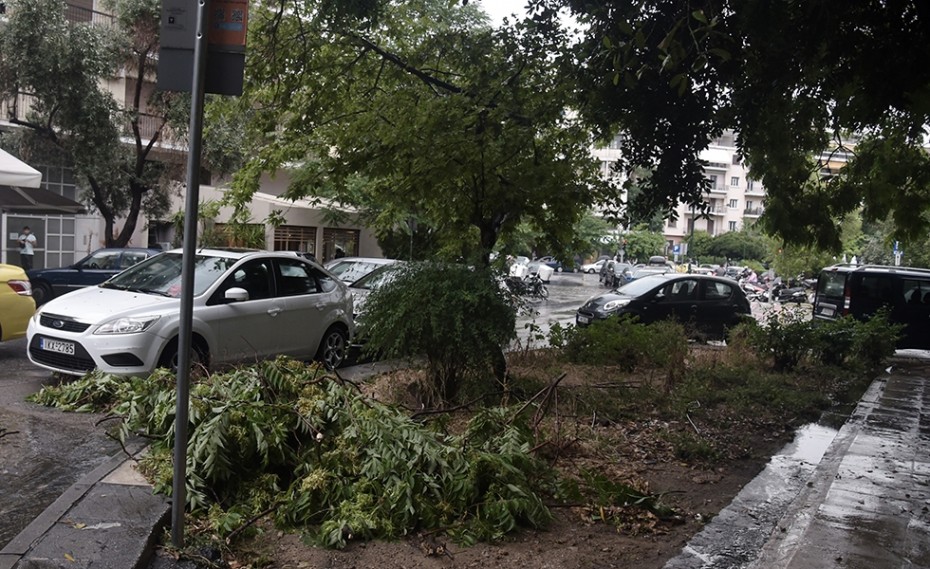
(755, 190)
(716, 166)
(85, 15)
(718, 189)
(753, 211)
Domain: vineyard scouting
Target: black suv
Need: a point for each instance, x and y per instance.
(709, 305)
(861, 290)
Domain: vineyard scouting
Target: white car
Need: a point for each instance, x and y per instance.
(592, 268)
(248, 305)
(350, 269)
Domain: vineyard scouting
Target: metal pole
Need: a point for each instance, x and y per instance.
(179, 496)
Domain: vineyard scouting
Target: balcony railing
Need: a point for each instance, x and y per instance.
(755, 191)
(718, 189)
(753, 211)
(86, 15)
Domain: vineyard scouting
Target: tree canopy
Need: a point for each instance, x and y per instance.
(807, 87)
(61, 66)
(418, 110)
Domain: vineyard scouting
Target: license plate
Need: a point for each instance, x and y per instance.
(57, 346)
(827, 311)
(583, 319)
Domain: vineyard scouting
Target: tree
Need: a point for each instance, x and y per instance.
(792, 79)
(640, 244)
(459, 126)
(742, 245)
(63, 65)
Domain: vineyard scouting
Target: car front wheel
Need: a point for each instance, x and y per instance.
(169, 358)
(333, 348)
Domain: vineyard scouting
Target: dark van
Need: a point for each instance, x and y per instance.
(860, 290)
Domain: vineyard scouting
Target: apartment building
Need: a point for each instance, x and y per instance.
(67, 229)
(733, 199)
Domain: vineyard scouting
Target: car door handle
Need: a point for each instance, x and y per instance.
(273, 311)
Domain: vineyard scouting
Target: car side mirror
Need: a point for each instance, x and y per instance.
(236, 294)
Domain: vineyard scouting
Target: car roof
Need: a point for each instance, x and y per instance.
(879, 269)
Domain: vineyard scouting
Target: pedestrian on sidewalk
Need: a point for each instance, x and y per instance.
(27, 245)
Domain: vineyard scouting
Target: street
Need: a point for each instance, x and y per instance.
(43, 451)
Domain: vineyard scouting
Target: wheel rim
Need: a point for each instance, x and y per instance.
(334, 349)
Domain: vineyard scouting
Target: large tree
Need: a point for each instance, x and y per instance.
(464, 128)
(793, 79)
(61, 66)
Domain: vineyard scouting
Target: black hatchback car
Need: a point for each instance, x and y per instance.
(709, 304)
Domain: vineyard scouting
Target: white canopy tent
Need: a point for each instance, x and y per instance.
(14, 172)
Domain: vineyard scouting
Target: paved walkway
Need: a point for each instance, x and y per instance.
(864, 505)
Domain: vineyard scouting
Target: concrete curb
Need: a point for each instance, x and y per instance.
(104, 520)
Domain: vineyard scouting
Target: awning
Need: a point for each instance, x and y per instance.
(36, 201)
(15, 172)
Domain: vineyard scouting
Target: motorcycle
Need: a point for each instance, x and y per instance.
(784, 294)
(754, 291)
(531, 286)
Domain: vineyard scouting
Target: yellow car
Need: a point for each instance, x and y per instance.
(16, 304)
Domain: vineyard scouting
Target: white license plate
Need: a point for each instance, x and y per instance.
(827, 311)
(583, 319)
(57, 346)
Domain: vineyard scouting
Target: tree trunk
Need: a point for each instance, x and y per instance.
(132, 218)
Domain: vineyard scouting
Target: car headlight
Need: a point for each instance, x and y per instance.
(127, 325)
(615, 304)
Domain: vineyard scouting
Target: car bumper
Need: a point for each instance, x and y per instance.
(78, 353)
(15, 313)
(586, 318)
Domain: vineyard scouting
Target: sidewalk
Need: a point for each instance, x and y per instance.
(864, 505)
(108, 519)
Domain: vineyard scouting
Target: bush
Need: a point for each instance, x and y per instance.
(626, 343)
(458, 317)
(790, 337)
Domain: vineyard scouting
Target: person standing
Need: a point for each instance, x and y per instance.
(27, 244)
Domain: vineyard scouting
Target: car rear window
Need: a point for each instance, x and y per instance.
(832, 283)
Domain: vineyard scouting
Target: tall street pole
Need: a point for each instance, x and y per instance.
(179, 490)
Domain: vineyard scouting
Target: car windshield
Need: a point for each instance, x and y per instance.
(350, 270)
(641, 286)
(376, 279)
(161, 274)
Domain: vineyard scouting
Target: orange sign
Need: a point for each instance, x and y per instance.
(228, 23)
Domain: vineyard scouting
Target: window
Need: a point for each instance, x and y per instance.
(750, 184)
(254, 277)
(734, 203)
(731, 226)
(748, 205)
(682, 290)
(714, 290)
(340, 243)
(295, 278)
(107, 259)
(295, 238)
(734, 181)
(130, 258)
(736, 160)
(673, 223)
(713, 180)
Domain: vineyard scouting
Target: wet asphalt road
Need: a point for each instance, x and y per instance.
(44, 451)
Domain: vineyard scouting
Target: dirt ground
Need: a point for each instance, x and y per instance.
(638, 451)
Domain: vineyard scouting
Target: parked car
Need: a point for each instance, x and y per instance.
(350, 269)
(377, 278)
(861, 290)
(91, 270)
(248, 305)
(648, 271)
(707, 305)
(591, 268)
(558, 266)
(16, 304)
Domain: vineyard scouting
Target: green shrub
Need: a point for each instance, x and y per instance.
(456, 316)
(626, 343)
(786, 336)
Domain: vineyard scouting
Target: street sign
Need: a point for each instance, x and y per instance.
(677, 248)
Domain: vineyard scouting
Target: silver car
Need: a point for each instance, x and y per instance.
(248, 305)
